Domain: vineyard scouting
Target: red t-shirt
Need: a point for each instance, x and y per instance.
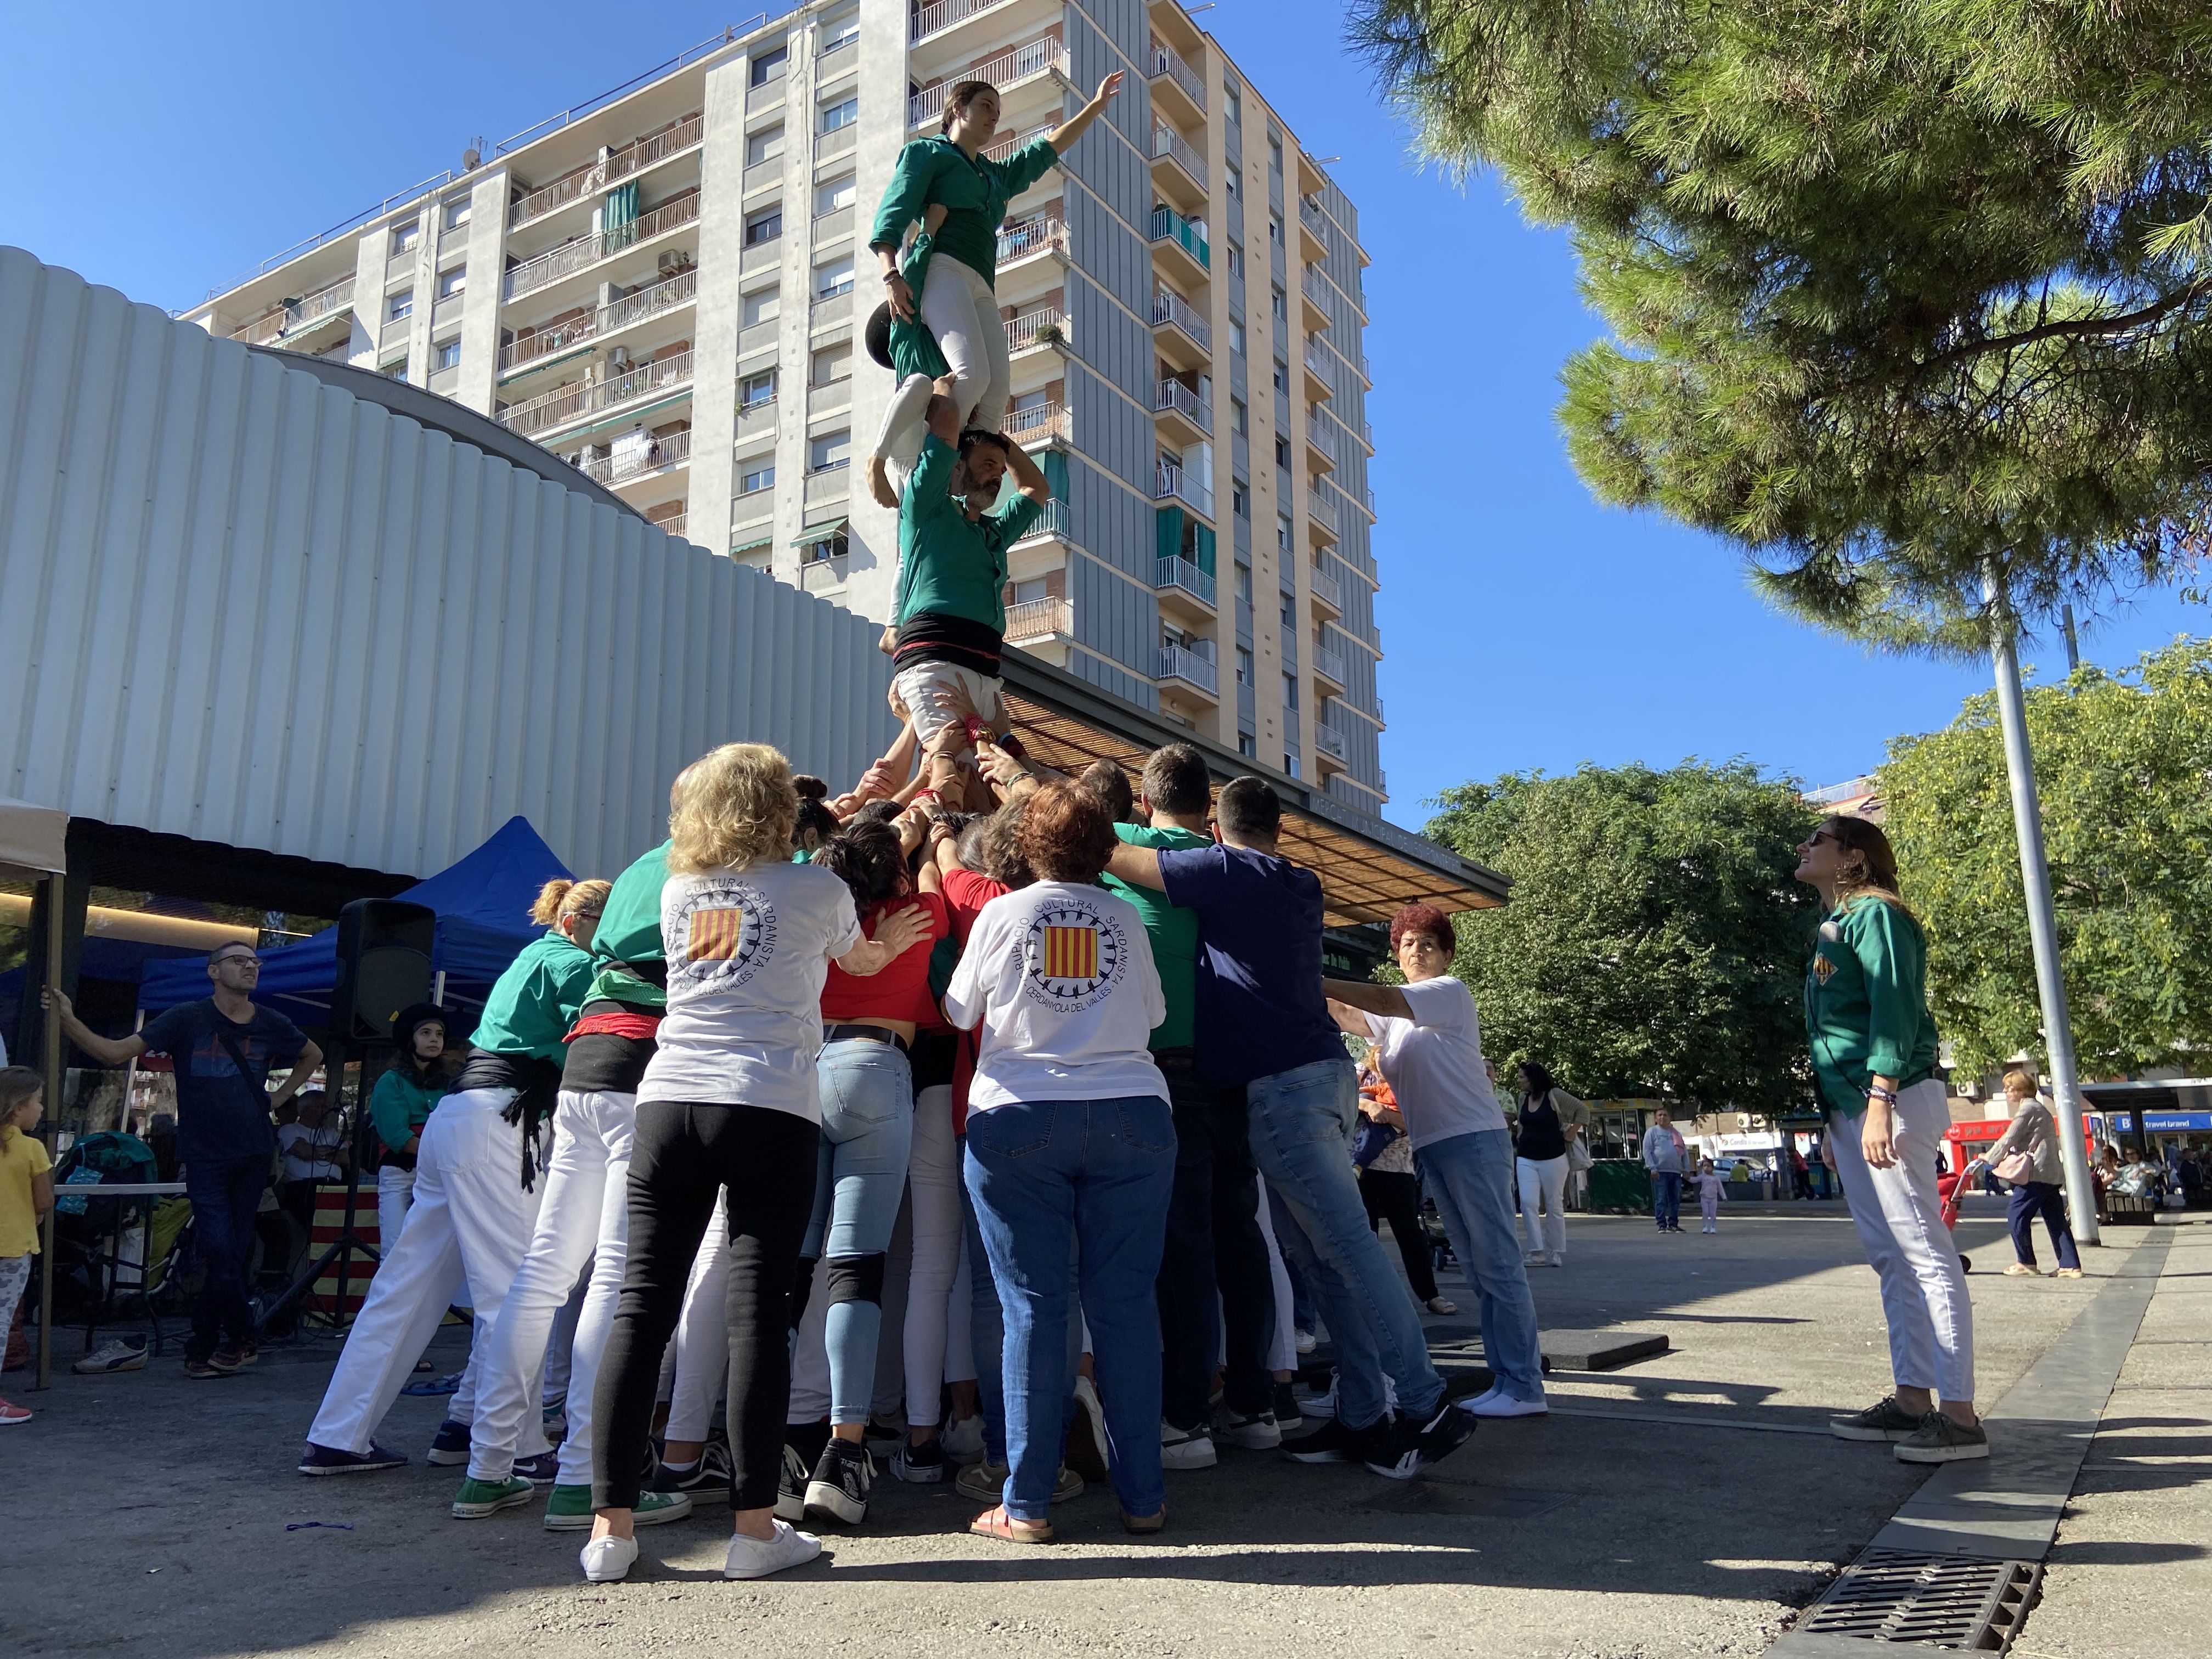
(901, 990)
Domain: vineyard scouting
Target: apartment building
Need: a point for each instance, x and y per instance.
(666, 287)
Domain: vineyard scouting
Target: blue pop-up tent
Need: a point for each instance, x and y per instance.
(484, 922)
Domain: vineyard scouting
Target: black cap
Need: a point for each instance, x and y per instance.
(420, 1013)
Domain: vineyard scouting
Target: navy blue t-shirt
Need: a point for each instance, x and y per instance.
(1260, 1006)
(219, 1114)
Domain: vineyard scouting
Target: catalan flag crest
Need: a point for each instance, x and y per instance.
(716, 934)
(1070, 953)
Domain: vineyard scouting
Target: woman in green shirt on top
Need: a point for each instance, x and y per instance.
(957, 303)
(1874, 1061)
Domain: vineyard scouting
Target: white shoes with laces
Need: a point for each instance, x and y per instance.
(608, 1560)
(756, 1557)
(1499, 1403)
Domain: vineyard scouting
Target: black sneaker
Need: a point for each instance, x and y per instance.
(923, 1464)
(1337, 1442)
(1288, 1418)
(711, 1473)
(1883, 1420)
(1413, 1447)
(791, 1487)
(840, 1485)
(450, 1446)
(329, 1460)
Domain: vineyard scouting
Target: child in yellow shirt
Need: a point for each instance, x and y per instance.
(26, 1193)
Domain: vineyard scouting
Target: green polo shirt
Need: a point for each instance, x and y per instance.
(951, 565)
(1173, 934)
(399, 1106)
(975, 191)
(535, 1000)
(1866, 1002)
(629, 931)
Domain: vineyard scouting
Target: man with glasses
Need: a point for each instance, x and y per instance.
(223, 1048)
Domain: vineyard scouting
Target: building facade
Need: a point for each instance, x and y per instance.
(667, 287)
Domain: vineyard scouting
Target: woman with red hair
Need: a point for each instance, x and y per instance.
(1428, 1044)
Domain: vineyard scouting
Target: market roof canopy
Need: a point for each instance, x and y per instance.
(32, 839)
(1368, 868)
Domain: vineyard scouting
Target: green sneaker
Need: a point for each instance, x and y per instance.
(477, 1498)
(569, 1509)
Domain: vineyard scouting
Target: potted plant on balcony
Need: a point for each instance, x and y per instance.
(1050, 334)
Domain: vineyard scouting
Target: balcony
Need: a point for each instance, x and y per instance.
(1314, 295)
(1013, 141)
(942, 15)
(1313, 244)
(1320, 507)
(1056, 521)
(1330, 743)
(673, 524)
(1178, 401)
(541, 344)
(1179, 574)
(1367, 434)
(1171, 311)
(298, 317)
(1040, 619)
(1177, 168)
(1005, 72)
(1041, 233)
(1320, 366)
(633, 157)
(1327, 591)
(1178, 664)
(1176, 86)
(585, 250)
(579, 398)
(1329, 666)
(1179, 242)
(1321, 442)
(655, 455)
(1040, 423)
(1174, 484)
(1033, 330)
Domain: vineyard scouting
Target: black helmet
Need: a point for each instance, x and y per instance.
(421, 1013)
(878, 334)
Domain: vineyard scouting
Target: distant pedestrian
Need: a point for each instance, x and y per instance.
(1709, 1184)
(2032, 1137)
(1875, 1053)
(1552, 1120)
(1665, 1157)
(26, 1195)
(1801, 1181)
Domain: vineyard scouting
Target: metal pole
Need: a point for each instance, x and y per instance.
(49, 1062)
(2073, 639)
(2042, 922)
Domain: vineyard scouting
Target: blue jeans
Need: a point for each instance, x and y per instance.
(1302, 1124)
(1468, 1176)
(2031, 1198)
(225, 1195)
(1051, 1178)
(866, 1090)
(1666, 1198)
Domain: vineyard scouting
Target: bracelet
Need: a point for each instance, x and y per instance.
(892, 276)
(1887, 1096)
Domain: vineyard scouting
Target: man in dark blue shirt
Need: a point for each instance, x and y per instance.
(1264, 1026)
(224, 1048)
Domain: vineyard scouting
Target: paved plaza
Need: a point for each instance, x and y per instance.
(1691, 1503)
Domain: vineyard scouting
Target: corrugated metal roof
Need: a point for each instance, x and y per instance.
(243, 605)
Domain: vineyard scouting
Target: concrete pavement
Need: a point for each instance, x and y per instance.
(1688, 1505)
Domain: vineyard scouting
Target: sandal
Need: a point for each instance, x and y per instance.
(995, 1522)
(1142, 1524)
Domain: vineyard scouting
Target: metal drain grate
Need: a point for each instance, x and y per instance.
(1940, 1600)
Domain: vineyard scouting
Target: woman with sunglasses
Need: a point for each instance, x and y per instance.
(1873, 1056)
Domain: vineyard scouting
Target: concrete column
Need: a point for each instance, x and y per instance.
(715, 337)
(480, 306)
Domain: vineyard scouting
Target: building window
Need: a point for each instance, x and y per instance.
(1283, 532)
(838, 193)
(836, 37)
(404, 237)
(756, 389)
(829, 452)
(837, 117)
(1244, 667)
(1289, 607)
(770, 65)
(826, 548)
(394, 370)
(763, 225)
(756, 480)
(764, 307)
(1232, 102)
(1247, 745)
(1275, 229)
(1275, 152)
(833, 367)
(447, 354)
(1281, 306)
(1244, 583)
(1029, 592)
(457, 213)
(1240, 417)
(1240, 503)
(1234, 187)
(1235, 253)
(1291, 763)
(834, 279)
(401, 305)
(1283, 378)
(450, 283)
(1290, 690)
(766, 145)
(1236, 337)
(1283, 453)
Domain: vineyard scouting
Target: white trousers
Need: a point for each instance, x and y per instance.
(561, 1348)
(906, 424)
(701, 1353)
(395, 1191)
(933, 1195)
(1284, 1356)
(584, 1219)
(1545, 1178)
(470, 1225)
(1900, 1221)
(963, 312)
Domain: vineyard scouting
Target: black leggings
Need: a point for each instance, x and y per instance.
(1395, 1197)
(683, 1154)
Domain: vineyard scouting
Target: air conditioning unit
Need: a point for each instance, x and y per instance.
(617, 359)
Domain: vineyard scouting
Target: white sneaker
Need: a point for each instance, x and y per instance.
(1499, 1403)
(608, 1560)
(756, 1557)
(1558, 1259)
(1308, 1342)
(1536, 1259)
(1186, 1449)
(962, 1441)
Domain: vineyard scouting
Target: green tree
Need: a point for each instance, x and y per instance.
(2127, 814)
(1656, 941)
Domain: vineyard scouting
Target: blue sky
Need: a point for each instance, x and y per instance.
(1524, 625)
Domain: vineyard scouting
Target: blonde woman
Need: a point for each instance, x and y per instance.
(729, 1104)
(2033, 1134)
(1874, 1057)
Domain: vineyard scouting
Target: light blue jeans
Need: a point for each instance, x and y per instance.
(1082, 1184)
(1467, 1176)
(867, 1131)
(1302, 1125)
